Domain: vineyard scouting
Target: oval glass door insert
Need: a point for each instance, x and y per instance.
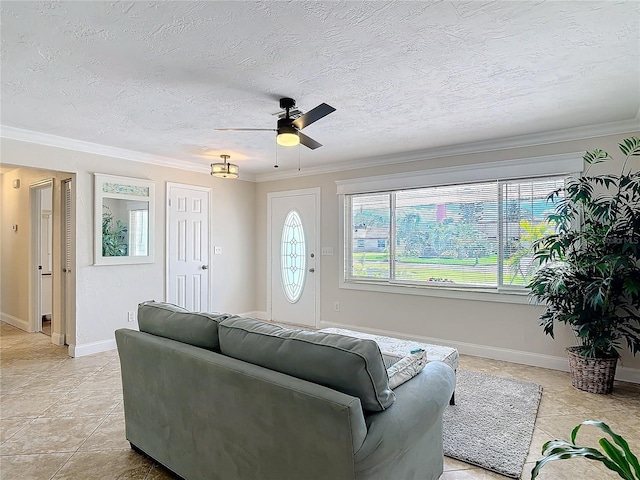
(293, 257)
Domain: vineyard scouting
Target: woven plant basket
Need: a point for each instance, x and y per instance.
(593, 375)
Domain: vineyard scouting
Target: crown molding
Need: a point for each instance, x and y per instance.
(529, 140)
(48, 139)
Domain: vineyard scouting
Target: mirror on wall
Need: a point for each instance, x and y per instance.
(123, 217)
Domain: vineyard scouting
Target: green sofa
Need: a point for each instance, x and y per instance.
(221, 397)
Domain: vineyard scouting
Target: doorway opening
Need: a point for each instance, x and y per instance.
(51, 247)
(41, 305)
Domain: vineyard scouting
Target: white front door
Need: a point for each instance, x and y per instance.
(188, 246)
(293, 238)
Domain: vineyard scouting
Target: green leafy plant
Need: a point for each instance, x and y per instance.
(530, 233)
(618, 458)
(114, 235)
(589, 276)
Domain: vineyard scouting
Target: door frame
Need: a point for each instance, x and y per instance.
(35, 240)
(209, 192)
(316, 191)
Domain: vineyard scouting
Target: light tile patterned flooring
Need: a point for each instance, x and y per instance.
(62, 418)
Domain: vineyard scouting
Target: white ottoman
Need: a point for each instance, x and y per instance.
(398, 346)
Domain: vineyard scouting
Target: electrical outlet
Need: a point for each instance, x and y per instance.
(131, 316)
(217, 250)
(336, 306)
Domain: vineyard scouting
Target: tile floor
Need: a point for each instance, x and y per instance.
(62, 418)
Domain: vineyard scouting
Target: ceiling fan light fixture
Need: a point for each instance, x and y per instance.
(225, 169)
(287, 136)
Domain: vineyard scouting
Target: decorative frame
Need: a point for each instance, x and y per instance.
(133, 200)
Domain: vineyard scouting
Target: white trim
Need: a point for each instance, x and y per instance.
(167, 222)
(317, 192)
(552, 362)
(57, 339)
(261, 315)
(498, 296)
(91, 348)
(16, 322)
(519, 141)
(40, 138)
(99, 180)
(502, 170)
(250, 314)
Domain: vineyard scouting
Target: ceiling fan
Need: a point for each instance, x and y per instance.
(289, 133)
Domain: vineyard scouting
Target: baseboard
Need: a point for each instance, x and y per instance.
(255, 314)
(15, 322)
(91, 348)
(57, 339)
(624, 374)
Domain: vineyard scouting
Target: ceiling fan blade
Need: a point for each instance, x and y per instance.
(313, 115)
(245, 129)
(308, 141)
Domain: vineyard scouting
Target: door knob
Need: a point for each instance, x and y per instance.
(312, 270)
(204, 267)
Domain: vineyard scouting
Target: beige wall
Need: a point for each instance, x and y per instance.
(105, 294)
(498, 330)
(15, 250)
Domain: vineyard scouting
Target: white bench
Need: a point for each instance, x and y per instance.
(398, 346)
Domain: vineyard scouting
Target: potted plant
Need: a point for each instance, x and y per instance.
(618, 458)
(589, 275)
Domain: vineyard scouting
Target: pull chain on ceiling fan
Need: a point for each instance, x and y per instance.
(288, 130)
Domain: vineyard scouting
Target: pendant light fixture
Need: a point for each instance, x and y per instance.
(225, 169)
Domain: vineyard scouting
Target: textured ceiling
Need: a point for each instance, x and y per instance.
(158, 77)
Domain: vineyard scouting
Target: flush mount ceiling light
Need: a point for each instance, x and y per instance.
(225, 169)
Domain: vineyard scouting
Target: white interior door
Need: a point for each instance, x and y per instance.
(294, 282)
(188, 246)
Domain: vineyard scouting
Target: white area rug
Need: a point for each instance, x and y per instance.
(491, 425)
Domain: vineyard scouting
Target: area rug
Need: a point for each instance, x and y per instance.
(491, 424)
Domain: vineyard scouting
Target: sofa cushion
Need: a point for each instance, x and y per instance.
(404, 369)
(174, 322)
(350, 365)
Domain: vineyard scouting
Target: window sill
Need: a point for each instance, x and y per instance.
(498, 296)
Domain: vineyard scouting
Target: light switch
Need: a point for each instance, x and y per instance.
(327, 250)
(217, 250)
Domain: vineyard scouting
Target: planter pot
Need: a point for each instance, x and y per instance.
(593, 375)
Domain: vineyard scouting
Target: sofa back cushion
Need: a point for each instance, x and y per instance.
(350, 365)
(174, 322)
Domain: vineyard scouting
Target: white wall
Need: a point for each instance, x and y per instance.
(498, 330)
(104, 294)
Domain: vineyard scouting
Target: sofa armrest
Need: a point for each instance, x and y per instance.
(419, 406)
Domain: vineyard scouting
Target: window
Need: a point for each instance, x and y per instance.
(459, 232)
(293, 256)
(470, 235)
(138, 232)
